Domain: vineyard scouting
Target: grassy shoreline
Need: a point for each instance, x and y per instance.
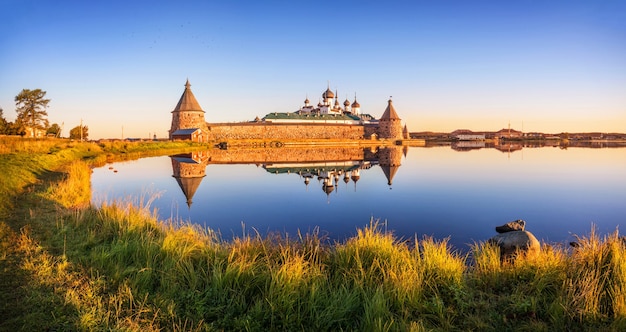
(66, 265)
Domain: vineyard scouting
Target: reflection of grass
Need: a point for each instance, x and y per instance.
(118, 267)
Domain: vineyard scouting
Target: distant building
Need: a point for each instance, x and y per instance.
(467, 135)
(534, 135)
(33, 132)
(508, 134)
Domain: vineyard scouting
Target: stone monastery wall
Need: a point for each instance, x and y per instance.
(287, 131)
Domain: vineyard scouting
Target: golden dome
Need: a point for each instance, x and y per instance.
(328, 94)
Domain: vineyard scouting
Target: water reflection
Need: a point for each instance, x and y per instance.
(517, 145)
(328, 174)
(189, 170)
(437, 191)
(328, 165)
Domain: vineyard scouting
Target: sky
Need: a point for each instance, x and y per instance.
(120, 66)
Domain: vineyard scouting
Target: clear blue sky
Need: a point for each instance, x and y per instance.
(548, 66)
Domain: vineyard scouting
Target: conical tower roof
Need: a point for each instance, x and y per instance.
(390, 113)
(188, 101)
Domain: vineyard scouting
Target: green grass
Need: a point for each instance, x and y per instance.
(70, 266)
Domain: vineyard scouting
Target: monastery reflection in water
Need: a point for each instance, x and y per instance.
(329, 165)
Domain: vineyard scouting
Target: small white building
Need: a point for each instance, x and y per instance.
(467, 135)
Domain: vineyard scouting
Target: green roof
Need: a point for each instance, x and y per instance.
(305, 117)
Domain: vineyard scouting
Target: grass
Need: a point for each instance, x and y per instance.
(70, 266)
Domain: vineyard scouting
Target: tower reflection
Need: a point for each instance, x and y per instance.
(329, 165)
(189, 169)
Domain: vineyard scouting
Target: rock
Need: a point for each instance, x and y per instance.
(520, 242)
(512, 226)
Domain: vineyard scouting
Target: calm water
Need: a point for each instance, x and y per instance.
(434, 191)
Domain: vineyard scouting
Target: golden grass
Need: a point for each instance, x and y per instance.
(185, 275)
(16, 144)
(74, 191)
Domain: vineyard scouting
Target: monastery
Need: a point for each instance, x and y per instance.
(329, 120)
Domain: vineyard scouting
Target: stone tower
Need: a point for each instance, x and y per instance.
(390, 124)
(188, 118)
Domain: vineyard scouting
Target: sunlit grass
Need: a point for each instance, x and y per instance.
(74, 191)
(16, 144)
(372, 281)
(595, 289)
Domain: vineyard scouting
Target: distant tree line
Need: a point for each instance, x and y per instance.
(32, 118)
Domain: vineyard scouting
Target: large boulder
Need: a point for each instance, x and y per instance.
(516, 243)
(512, 226)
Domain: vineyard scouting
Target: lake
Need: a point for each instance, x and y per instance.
(460, 193)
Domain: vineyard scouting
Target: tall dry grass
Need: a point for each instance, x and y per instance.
(595, 288)
(74, 190)
(178, 274)
(17, 144)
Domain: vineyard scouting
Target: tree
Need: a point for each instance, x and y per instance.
(9, 128)
(14, 129)
(54, 130)
(75, 132)
(30, 106)
(3, 123)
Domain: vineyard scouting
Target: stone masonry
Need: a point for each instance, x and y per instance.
(280, 131)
